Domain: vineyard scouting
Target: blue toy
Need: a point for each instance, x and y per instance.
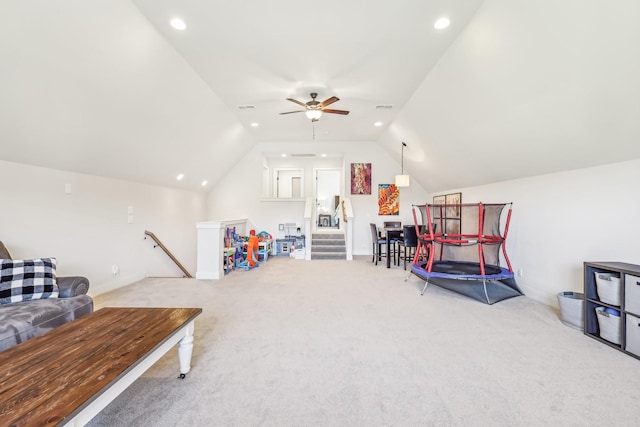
(612, 311)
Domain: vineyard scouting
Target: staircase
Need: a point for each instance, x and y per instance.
(328, 246)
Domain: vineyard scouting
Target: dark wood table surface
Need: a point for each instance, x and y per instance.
(52, 377)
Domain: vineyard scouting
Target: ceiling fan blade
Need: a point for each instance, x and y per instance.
(291, 112)
(297, 102)
(329, 101)
(329, 110)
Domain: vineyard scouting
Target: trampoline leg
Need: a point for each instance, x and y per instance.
(426, 283)
(484, 285)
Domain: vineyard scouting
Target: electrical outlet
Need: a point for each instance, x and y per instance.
(115, 270)
(520, 273)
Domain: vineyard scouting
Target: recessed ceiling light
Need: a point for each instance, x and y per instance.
(377, 124)
(180, 176)
(323, 155)
(283, 155)
(178, 24)
(204, 183)
(255, 125)
(441, 23)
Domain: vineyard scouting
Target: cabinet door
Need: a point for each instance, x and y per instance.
(632, 294)
(633, 335)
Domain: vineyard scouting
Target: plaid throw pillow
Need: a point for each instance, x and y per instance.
(22, 280)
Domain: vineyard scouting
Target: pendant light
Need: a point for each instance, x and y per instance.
(403, 180)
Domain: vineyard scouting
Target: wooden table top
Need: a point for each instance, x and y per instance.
(53, 376)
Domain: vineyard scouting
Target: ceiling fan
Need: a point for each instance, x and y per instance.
(314, 109)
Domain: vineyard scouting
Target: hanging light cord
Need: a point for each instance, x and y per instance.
(402, 163)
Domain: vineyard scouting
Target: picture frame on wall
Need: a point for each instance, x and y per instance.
(438, 212)
(360, 178)
(448, 216)
(388, 199)
(439, 200)
(452, 226)
(453, 199)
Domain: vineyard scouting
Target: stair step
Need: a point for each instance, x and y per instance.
(320, 249)
(327, 242)
(328, 246)
(330, 255)
(322, 236)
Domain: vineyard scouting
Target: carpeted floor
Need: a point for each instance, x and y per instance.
(336, 343)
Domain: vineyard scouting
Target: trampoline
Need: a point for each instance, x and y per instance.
(459, 250)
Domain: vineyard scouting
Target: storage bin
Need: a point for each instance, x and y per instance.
(609, 288)
(298, 253)
(632, 294)
(633, 335)
(610, 326)
(571, 309)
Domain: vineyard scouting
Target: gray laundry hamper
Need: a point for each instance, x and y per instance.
(572, 309)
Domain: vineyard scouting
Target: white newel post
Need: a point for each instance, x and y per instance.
(308, 231)
(349, 228)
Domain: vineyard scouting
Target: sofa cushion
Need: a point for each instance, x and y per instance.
(22, 280)
(21, 321)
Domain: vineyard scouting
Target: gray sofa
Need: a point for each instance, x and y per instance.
(20, 321)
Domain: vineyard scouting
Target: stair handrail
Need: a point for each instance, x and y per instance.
(166, 251)
(344, 212)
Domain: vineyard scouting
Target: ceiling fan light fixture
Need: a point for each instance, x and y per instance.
(313, 114)
(313, 109)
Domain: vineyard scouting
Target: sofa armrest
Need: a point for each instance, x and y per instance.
(72, 286)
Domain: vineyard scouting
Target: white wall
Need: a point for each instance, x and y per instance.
(93, 87)
(88, 230)
(530, 88)
(238, 194)
(563, 219)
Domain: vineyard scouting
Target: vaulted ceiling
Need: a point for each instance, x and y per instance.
(511, 88)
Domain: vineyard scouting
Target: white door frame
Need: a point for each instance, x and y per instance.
(315, 194)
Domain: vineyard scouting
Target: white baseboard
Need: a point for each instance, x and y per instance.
(207, 275)
(544, 297)
(103, 288)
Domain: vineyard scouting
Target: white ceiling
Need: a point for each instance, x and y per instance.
(512, 88)
(255, 52)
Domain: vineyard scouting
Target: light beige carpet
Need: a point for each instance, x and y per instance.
(337, 343)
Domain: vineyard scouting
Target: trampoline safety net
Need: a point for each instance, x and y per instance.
(463, 242)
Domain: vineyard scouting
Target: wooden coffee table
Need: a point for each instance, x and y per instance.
(69, 374)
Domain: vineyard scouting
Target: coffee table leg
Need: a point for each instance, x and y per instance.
(185, 349)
